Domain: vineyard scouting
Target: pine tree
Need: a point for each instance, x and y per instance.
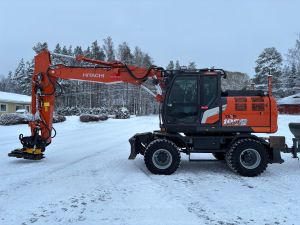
(97, 52)
(20, 70)
(292, 81)
(78, 50)
(7, 84)
(147, 60)
(70, 50)
(293, 56)
(138, 57)
(57, 49)
(87, 53)
(26, 80)
(124, 53)
(192, 66)
(40, 47)
(269, 62)
(22, 78)
(297, 81)
(10, 84)
(286, 75)
(170, 66)
(109, 49)
(177, 65)
(56, 59)
(64, 50)
(293, 59)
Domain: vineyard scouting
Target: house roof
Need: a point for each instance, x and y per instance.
(290, 100)
(7, 97)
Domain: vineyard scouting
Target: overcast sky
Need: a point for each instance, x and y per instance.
(227, 34)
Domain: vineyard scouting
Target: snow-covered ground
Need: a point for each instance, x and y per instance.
(87, 179)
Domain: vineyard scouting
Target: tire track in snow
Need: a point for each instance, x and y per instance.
(86, 137)
(36, 178)
(192, 206)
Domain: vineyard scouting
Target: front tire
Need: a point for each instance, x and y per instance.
(247, 157)
(162, 157)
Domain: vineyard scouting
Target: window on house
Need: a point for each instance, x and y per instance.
(27, 107)
(19, 107)
(3, 107)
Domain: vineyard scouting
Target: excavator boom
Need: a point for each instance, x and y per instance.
(44, 84)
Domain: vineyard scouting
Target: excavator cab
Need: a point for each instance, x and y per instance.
(192, 101)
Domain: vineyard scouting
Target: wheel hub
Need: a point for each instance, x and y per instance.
(250, 158)
(162, 158)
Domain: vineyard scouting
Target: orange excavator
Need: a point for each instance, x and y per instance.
(196, 115)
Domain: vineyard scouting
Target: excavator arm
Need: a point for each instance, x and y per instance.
(44, 84)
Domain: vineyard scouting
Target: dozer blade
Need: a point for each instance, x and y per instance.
(27, 153)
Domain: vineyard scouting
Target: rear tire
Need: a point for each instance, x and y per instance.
(219, 155)
(162, 157)
(247, 157)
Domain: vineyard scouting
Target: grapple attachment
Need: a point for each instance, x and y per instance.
(33, 148)
(27, 153)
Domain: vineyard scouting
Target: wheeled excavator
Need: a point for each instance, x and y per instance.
(196, 115)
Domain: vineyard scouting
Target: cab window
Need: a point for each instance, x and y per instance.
(209, 89)
(184, 91)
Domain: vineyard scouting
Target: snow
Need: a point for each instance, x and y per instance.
(87, 179)
(22, 111)
(290, 100)
(16, 98)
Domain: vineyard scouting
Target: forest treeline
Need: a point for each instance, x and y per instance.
(286, 76)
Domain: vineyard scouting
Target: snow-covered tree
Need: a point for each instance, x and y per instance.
(64, 50)
(57, 48)
(56, 59)
(192, 66)
(27, 79)
(78, 94)
(147, 60)
(138, 57)
(124, 53)
(170, 66)
(70, 50)
(269, 62)
(78, 50)
(97, 52)
(7, 84)
(293, 56)
(22, 76)
(293, 59)
(109, 49)
(40, 47)
(87, 52)
(177, 65)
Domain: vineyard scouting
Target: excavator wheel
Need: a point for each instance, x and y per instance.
(162, 157)
(247, 157)
(219, 155)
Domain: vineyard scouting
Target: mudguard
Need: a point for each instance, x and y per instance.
(139, 143)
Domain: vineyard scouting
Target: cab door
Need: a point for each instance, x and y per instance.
(210, 94)
(181, 106)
